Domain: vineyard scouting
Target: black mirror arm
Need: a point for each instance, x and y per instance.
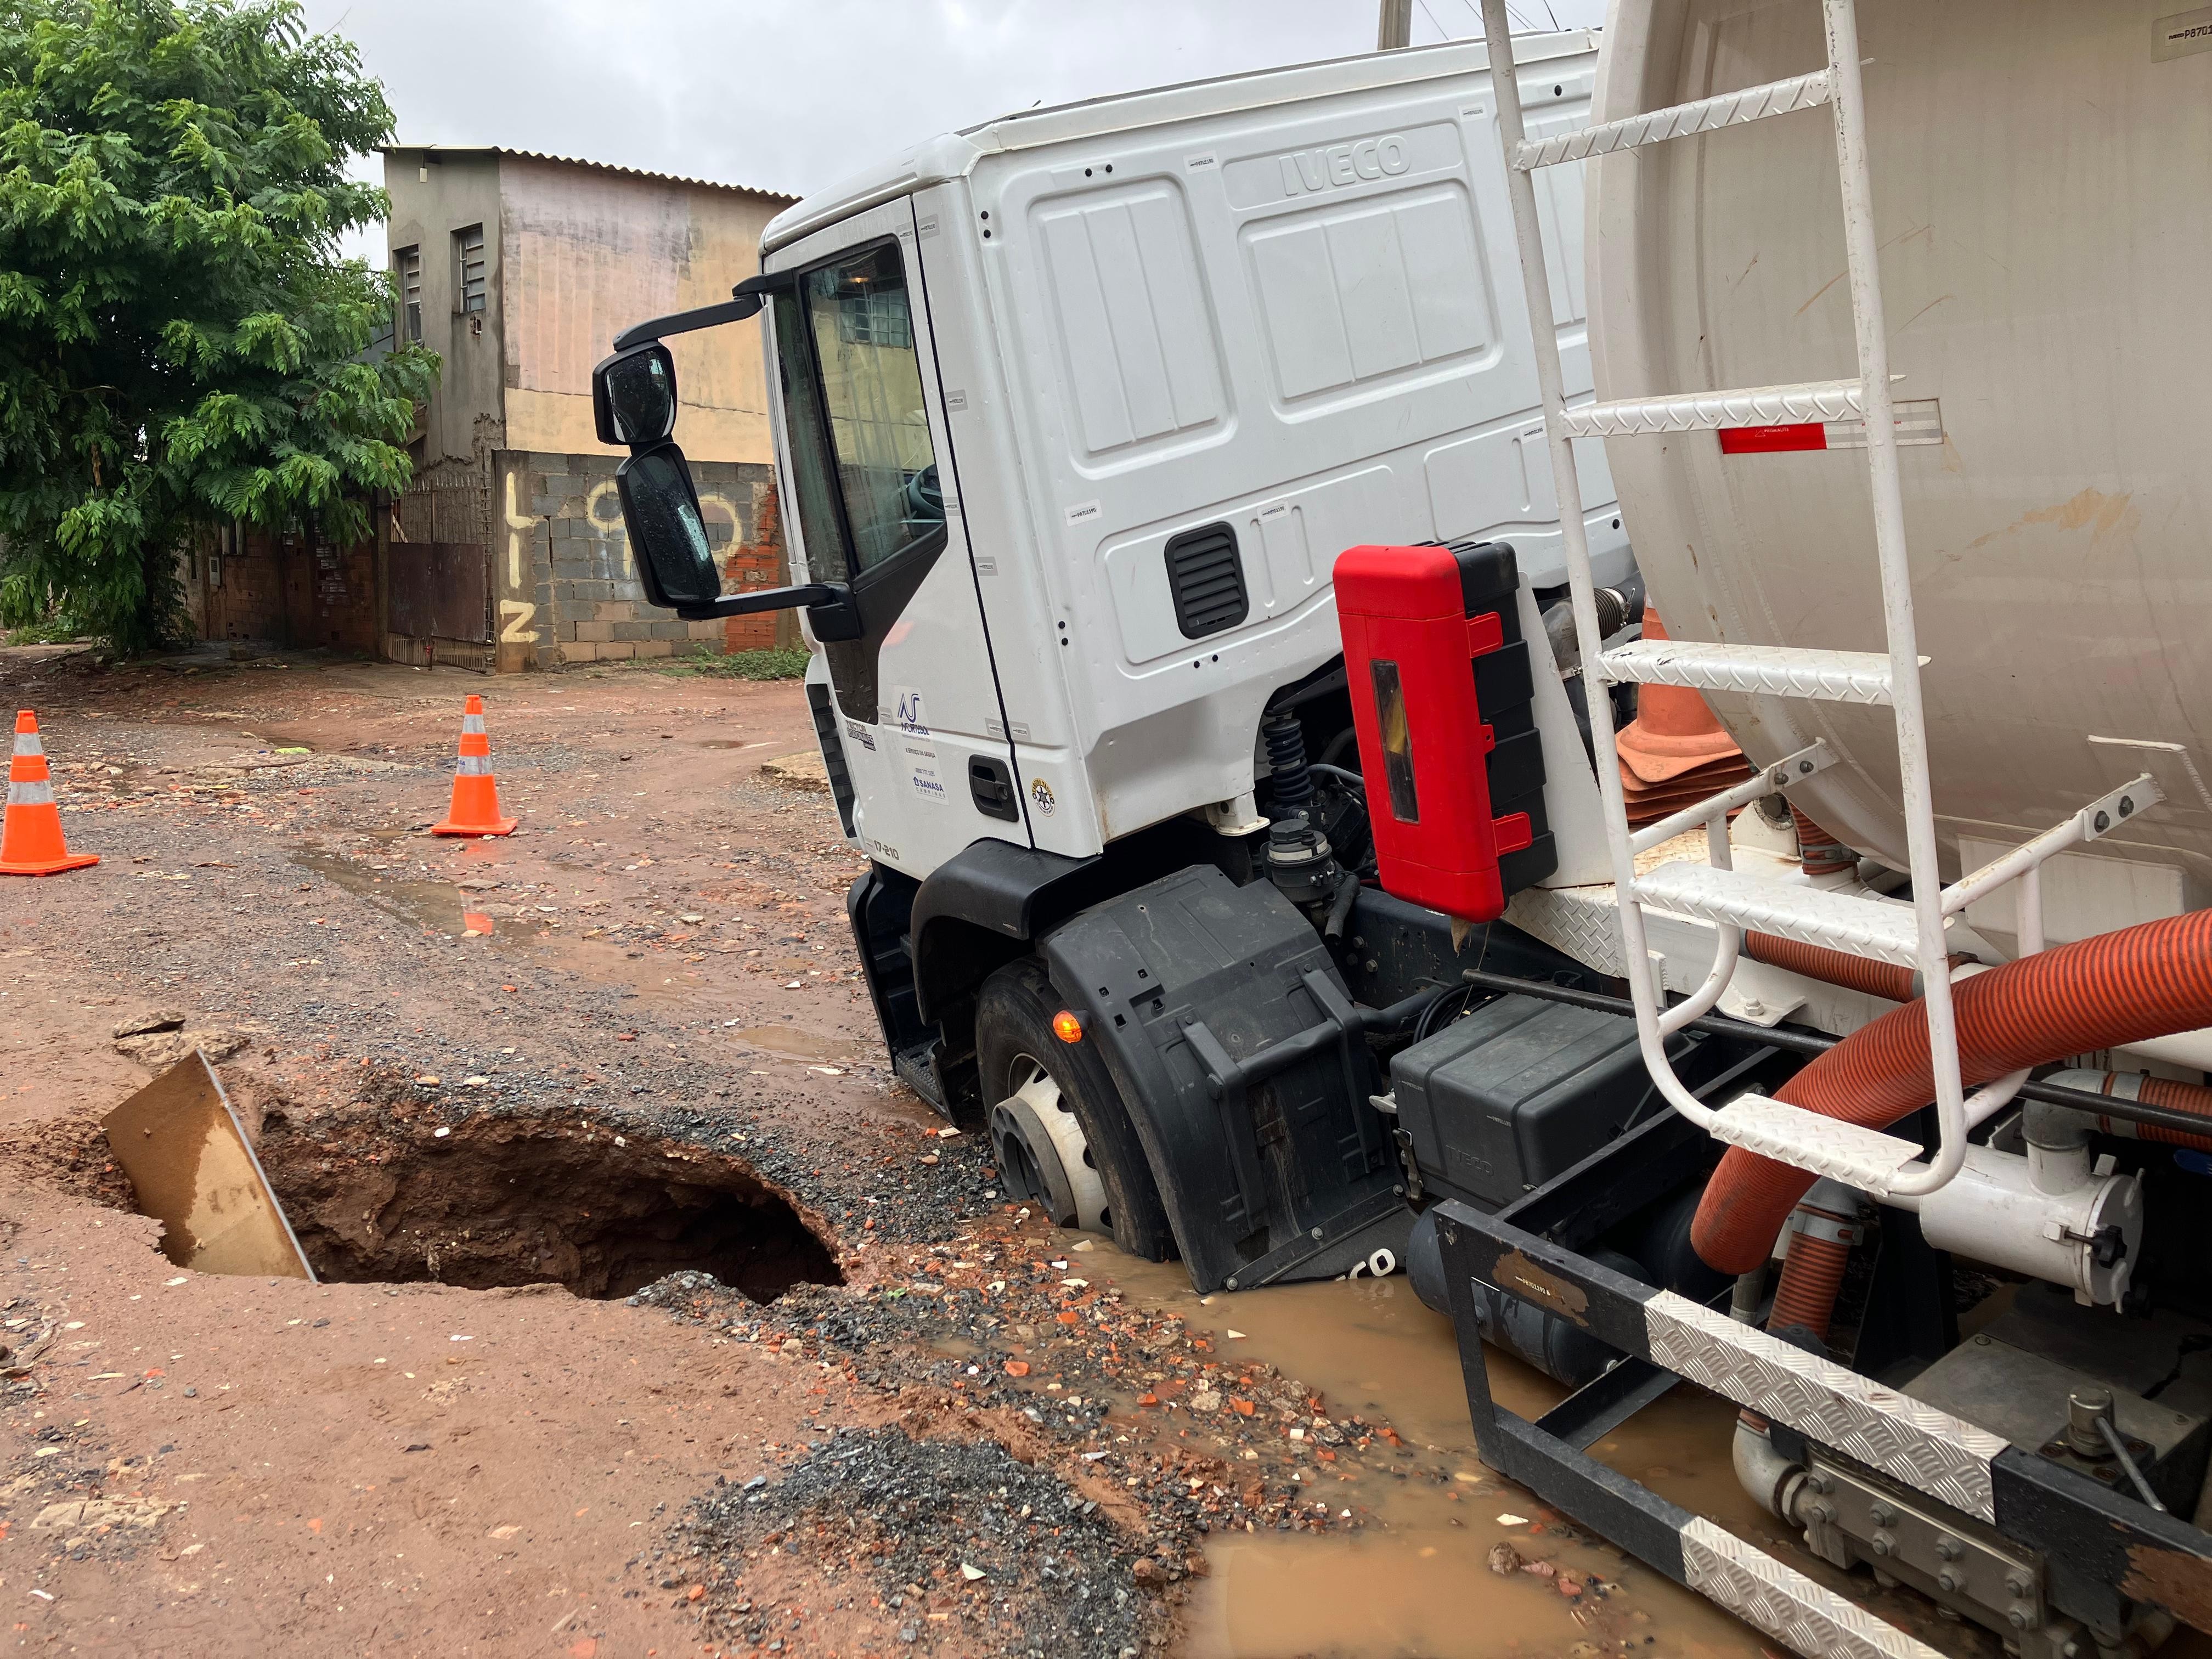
(832, 597)
(745, 301)
(684, 322)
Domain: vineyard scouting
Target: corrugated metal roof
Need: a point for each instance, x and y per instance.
(579, 161)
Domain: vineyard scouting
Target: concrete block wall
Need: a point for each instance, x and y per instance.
(569, 589)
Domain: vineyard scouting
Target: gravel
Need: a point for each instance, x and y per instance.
(970, 1545)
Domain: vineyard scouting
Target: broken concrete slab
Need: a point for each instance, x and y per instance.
(180, 1140)
(150, 1020)
(158, 1050)
(83, 1514)
(801, 771)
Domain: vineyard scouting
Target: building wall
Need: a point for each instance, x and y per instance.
(236, 586)
(467, 412)
(288, 589)
(577, 254)
(586, 253)
(330, 594)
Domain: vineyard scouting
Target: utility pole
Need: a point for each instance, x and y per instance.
(1393, 27)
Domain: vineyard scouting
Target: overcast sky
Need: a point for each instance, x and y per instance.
(794, 94)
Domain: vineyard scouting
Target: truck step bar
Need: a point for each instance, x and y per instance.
(1850, 1152)
(1770, 670)
(1812, 401)
(1811, 916)
(1729, 109)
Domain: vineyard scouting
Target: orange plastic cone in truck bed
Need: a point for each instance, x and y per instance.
(475, 810)
(30, 842)
(1673, 753)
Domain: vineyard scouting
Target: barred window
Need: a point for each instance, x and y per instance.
(468, 256)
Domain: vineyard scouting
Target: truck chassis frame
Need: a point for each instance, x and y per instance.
(2093, 1553)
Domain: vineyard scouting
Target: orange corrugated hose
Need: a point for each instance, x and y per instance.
(1879, 979)
(2165, 1091)
(2126, 986)
(1819, 852)
(1811, 1276)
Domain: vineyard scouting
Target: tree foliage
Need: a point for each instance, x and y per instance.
(180, 343)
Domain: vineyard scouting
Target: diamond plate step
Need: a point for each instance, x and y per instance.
(1680, 120)
(1858, 1157)
(1774, 670)
(1857, 926)
(1765, 405)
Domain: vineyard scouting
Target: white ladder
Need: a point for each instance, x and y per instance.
(1734, 902)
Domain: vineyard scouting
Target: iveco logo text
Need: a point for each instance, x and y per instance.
(1309, 170)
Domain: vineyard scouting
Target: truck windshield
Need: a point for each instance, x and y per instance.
(864, 471)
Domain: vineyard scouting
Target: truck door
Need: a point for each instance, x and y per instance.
(861, 430)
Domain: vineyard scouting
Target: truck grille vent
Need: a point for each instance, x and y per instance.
(1207, 580)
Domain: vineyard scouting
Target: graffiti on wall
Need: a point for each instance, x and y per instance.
(516, 615)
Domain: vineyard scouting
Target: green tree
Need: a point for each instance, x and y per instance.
(180, 343)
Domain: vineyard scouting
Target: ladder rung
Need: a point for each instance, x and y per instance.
(1679, 121)
(1693, 411)
(1773, 671)
(1850, 1152)
(1811, 916)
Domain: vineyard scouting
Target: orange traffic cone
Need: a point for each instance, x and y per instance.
(475, 810)
(31, 833)
(1673, 753)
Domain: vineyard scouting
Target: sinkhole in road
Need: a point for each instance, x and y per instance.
(501, 1201)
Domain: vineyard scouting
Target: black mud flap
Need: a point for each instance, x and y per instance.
(1242, 1062)
(879, 904)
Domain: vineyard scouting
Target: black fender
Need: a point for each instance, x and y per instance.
(1264, 1180)
(988, 904)
(980, 909)
(926, 947)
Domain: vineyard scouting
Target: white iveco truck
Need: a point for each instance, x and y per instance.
(1284, 835)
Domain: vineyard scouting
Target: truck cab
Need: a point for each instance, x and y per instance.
(1075, 411)
(1086, 401)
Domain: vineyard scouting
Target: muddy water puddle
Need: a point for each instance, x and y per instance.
(401, 890)
(793, 1043)
(1418, 1582)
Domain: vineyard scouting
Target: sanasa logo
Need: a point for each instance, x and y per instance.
(1332, 166)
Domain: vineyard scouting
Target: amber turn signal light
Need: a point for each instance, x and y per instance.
(1067, 1027)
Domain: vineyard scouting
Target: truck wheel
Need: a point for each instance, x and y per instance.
(1063, 1137)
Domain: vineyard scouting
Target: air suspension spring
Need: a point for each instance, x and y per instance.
(1299, 859)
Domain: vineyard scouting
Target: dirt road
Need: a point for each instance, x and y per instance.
(656, 1318)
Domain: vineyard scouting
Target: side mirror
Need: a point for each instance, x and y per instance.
(633, 396)
(634, 404)
(676, 563)
(667, 533)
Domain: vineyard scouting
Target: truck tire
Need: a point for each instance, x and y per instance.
(1014, 1041)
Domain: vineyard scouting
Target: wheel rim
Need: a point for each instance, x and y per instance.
(1041, 1145)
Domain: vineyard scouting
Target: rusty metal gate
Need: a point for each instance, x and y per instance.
(440, 590)
(438, 582)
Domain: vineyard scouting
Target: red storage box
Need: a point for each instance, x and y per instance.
(1441, 695)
